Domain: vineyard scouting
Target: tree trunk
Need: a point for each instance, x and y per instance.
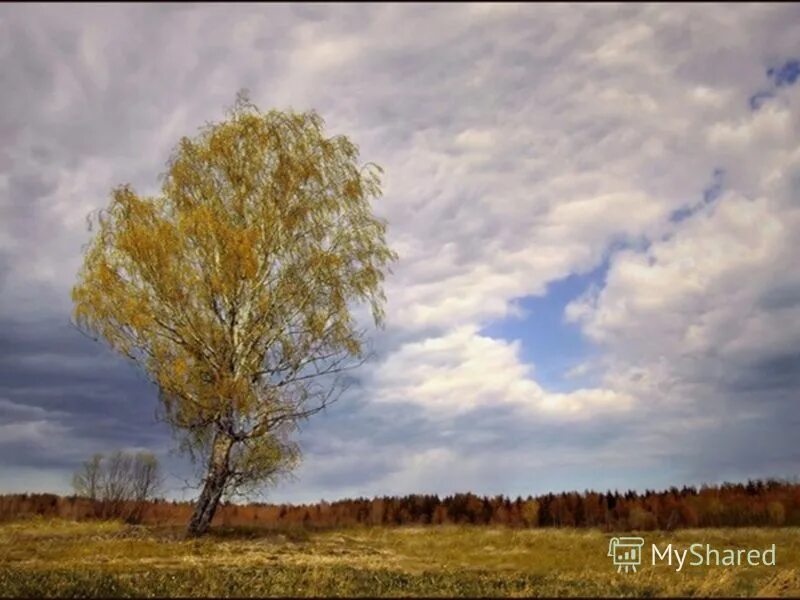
(216, 478)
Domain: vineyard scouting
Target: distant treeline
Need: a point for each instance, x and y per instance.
(755, 503)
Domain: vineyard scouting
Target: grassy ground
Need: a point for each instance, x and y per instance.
(61, 558)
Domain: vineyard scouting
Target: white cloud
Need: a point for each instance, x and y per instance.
(25, 411)
(30, 432)
(475, 139)
(464, 370)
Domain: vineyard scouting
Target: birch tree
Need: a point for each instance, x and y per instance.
(236, 288)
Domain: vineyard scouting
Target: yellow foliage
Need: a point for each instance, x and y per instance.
(241, 275)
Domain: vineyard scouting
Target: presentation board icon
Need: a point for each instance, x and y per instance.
(626, 552)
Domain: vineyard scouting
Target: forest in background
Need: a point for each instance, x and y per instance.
(755, 503)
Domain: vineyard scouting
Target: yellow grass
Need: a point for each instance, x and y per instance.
(61, 558)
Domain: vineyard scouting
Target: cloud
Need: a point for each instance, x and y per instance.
(463, 370)
(707, 315)
(30, 432)
(520, 147)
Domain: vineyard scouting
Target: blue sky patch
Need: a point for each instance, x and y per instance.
(549, 342)
(785, 75)
(710, 194)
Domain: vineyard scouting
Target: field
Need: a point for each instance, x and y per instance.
(50, 557)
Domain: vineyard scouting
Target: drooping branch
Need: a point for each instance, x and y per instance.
(234, 288)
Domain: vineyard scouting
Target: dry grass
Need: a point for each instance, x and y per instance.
(62, 558)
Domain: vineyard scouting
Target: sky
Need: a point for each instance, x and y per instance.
(596, 210)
